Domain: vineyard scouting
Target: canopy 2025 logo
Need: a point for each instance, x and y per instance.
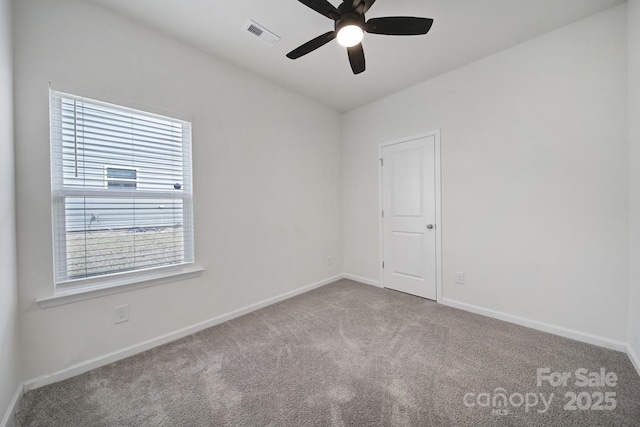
(500, 401)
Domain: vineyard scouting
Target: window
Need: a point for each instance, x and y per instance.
(121, 191)
(121, 177)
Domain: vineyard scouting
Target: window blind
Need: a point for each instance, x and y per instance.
(121, 189)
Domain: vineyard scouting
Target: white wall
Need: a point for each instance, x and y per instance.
(10, 375)
(634, 175)
(534, 176)
(267, 178)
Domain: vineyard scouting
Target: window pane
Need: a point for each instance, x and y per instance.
(122, 178)
(110, 235)
(96, 135)
(121, 173)
(102, 252)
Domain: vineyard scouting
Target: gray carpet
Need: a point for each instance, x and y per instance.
(345, 354)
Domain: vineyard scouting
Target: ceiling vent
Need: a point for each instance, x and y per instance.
(262, 33)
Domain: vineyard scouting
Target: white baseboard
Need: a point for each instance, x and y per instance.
(635, 360)
(362, 280)
(106, 359)
(9, 419)
(540, 326)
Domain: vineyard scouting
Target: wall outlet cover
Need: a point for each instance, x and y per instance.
(121, 314)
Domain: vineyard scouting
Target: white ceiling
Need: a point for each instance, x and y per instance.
(463, 31)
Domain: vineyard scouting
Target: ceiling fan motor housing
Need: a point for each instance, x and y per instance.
(349, 18)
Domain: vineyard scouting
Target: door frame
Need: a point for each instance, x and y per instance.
(438, 201)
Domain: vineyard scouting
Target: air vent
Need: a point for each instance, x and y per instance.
(255, 30)
(262, 33)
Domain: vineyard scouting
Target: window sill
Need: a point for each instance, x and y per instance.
(123, 284)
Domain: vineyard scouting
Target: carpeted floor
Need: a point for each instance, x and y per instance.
(349, 354)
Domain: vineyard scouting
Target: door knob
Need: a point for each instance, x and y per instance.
(429, 226)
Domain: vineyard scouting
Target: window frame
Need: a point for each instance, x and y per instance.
(140, 277)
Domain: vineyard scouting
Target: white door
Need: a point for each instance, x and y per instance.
(409, 217)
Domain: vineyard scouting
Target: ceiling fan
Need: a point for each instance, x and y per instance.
(350, 26)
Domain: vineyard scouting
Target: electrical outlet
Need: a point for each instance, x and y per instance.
(328, 260)
(460, 277)
(121, 314)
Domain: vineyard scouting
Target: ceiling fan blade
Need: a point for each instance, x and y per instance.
(323, 7)
(312, 45)
(368, 4)
(362, 6)
(399, 26)
(356, 58)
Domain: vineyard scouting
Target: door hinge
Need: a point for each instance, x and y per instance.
(381, 162)
(382, 214)
(382, 264)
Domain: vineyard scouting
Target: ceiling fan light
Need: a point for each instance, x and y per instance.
(350, 35)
